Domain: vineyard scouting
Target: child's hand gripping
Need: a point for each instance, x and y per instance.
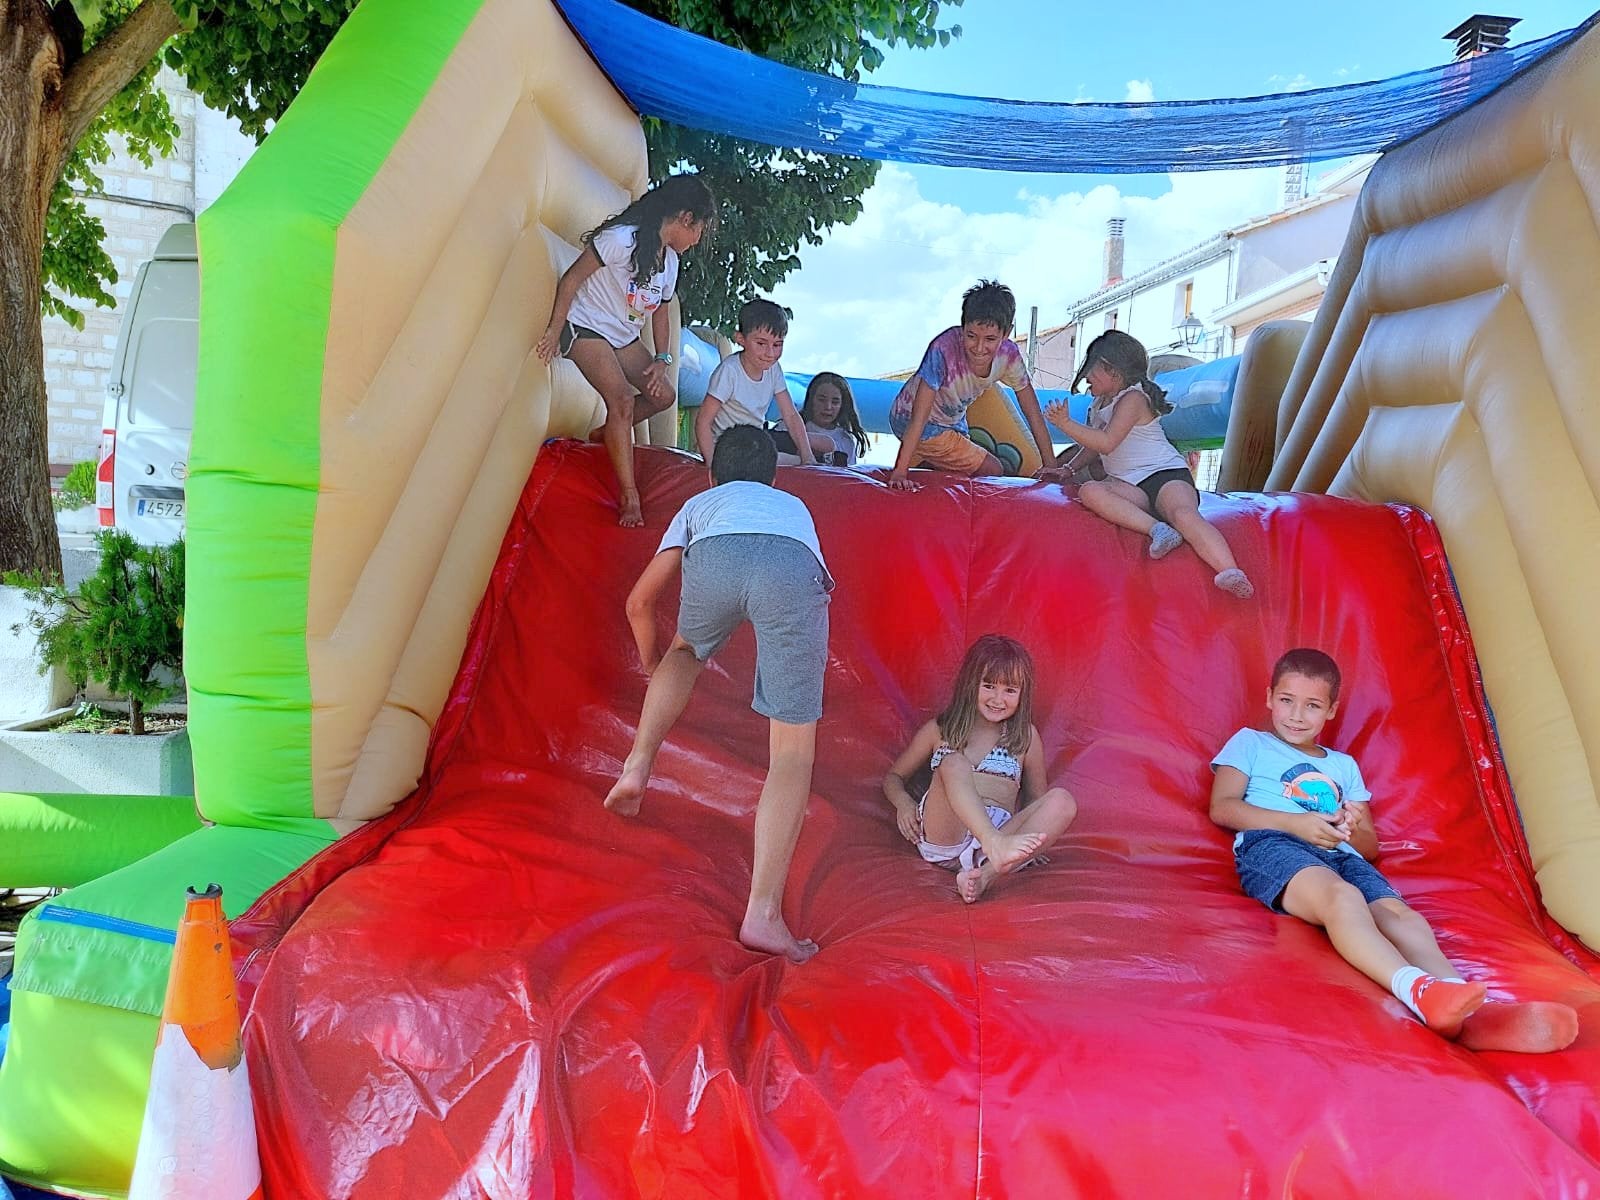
(547, 344)
(1325, 831)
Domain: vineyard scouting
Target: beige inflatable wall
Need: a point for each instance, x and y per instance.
(1455, 365)
(434, 404)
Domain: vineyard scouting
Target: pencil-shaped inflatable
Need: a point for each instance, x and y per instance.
(198, 1141)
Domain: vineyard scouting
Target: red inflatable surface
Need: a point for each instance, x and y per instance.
(504, 990)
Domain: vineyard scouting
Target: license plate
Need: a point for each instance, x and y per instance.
(159, 508)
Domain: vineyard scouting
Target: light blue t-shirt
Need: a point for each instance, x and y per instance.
(1284, 779)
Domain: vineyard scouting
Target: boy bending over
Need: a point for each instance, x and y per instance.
(1304, 841)
(747, 552)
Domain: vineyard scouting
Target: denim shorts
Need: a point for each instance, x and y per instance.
(1267, 859)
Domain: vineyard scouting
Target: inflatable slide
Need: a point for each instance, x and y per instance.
(410, 685)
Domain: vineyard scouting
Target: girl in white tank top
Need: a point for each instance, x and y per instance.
(1148, 486)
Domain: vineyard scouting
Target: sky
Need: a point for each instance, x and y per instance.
(867, 301)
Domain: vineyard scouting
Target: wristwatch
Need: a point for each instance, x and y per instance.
(664, 357)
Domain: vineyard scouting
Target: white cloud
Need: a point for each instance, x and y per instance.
(1140, 91)
(867, 301)
(1291, 83)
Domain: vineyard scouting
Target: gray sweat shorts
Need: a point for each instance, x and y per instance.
(777, 585)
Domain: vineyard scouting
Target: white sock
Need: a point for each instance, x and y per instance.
(1402, 983)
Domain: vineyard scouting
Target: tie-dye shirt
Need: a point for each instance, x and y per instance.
(955, 384)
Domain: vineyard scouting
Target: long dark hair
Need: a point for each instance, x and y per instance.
(1124, 354)
(993, 658)
(686, 193)
(848, 420)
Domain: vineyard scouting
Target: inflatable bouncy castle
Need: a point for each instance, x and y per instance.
(411, 684)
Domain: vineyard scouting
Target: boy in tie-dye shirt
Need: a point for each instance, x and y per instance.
(929, 416)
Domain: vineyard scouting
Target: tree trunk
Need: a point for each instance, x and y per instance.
(135, 717)
(30, 159)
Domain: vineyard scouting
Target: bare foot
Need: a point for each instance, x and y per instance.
(1537, 1027)
(1012, 849)
(625, 795)
(974, 882)
(770, 935)
(629, 514)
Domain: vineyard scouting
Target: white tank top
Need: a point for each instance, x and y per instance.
(1144, 451)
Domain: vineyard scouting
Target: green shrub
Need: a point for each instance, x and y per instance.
(123, 626)
(77, 489)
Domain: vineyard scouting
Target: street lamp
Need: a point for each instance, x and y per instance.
(1193, 331)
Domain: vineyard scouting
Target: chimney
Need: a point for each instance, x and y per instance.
(1479, 34)
(1113, 251)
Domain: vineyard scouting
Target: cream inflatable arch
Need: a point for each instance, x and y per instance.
(1455, 365)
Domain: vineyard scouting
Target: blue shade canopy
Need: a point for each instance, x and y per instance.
(696, 82)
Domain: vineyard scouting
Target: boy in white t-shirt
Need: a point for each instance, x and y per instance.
(745, 384)
(747, 552)
(1305, 834)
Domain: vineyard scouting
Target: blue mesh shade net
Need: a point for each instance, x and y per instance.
(702, 84)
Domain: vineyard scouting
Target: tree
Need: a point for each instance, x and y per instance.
(772, 200)
(73, 73)
(123, 627)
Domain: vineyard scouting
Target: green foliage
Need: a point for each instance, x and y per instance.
(123, 627)
(77, 489)
(247, 58)
(75, 262)
(771, 200)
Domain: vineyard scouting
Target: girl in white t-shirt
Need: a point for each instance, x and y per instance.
(830, 410)
(1148, 486)
(628, 271)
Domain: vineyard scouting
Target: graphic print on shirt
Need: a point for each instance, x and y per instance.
(1311, 789)
(643, 298)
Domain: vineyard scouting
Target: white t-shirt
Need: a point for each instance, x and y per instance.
(745, 401)
(744, 507)
(610, 301)
(841, 439)
(1284, 779)
(1144, 451)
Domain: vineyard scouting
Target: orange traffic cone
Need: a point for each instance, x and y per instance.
(199, 1136)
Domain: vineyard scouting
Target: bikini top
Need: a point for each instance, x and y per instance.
(998, 761)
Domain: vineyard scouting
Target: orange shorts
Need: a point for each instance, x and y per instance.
(950, 451)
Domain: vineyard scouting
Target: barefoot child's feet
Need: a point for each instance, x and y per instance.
(1537, 1027)
(1164, 539)
(625, 795)
(1235, 582)
(973, 882)
(629, 514)
(1444, 1004)
(770, 935)
(1009, 850)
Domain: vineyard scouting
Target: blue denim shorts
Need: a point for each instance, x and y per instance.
(1267, 859)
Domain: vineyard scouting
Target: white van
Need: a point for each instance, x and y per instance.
(149, 409)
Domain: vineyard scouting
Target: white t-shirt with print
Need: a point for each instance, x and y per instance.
(745, 401)
(841, 439)
(610, 301)
(1285, 779)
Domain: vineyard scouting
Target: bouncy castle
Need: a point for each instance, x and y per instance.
(411, 683)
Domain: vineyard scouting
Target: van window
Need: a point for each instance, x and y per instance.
(161, 384)
(159, 366)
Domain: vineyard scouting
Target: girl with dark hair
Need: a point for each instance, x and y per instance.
(987, 810)
(830, 411)
(628, 271)
(1148, 486)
